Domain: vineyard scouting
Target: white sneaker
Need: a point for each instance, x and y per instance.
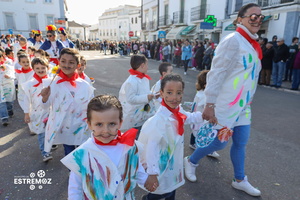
(194, 69)
(190, 170)
(214, 154)
(246, 187)
(184, 73)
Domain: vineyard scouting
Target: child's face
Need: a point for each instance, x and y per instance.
(37, 55)
(30, 52)
(169, 71)
(172, 93)
(105, 124)
(25, 62)
(144, 68)
(68, 64)
(82, 67)
(40, 70)
(10, 55)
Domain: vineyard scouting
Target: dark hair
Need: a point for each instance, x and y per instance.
(52, 32)
(201, 80)
(137, 60)
(72, 52)
(295, 38)
(32, 48)
(265, 40)
(171, 77)
(82, 59)
(40, 51)
(102, 103)
(47, 55)
(22, 55)
(41, 61)
(8, 51)
(163, 67)
(243, 10)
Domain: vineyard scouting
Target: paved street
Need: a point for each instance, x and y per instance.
(272, 162)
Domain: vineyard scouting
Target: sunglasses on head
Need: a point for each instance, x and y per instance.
(253, 17)
(49, 35)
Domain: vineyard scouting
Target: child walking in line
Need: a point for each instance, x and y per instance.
(68, 97)
(107, 165)
(162, 137)
(199, 103)
(135, 95)
(22, 75)
(81, 70)
(35, 115)
(164, 69)
(7, 89)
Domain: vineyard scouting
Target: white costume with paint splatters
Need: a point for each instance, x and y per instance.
(133, 96)
(234, 74)
(67, 118)
(163, 148)
(22, 78)
(7, 86)
(104, 172)
(33, 106)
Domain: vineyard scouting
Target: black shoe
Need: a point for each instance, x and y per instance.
(273, 85)
(144, 197)
(5, 122)
(293, 89)
(277, 86)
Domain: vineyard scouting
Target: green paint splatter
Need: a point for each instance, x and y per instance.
(246, 75)
(235, 82)
(250, 58)
(241, 103)
(234, 114)
(253, 84)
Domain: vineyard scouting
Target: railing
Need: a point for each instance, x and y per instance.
(264, 3)
(180, 17)
(198, 12)
(144, 26)
(164, 20)
(153, 25)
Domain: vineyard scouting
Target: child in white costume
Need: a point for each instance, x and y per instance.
(67, 97)
(7, 89)
(164, 69)
(107, 165)
(23, 75)
(35, 114)
(162, 137)
(81, 70)
(135, 94)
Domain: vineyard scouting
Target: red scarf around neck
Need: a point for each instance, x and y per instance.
(24, 47)
(139, 74)
(25, 71)
(179, 116)
(253, 42)
(82, 75)
(39, 79)
(64, 78)
(126, 138)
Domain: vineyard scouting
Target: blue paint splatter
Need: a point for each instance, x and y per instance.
(245, 62)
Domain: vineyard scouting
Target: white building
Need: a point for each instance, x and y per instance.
(115, 23)
(78, 31)
(20, 17)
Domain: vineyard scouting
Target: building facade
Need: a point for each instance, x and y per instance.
(116, 23)
(22, 16)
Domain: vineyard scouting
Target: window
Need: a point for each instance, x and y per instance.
(136, 20)
(33, 22)
(100, 33)
(132, 20)
(48, 1)
(9, 19)
(49, 19)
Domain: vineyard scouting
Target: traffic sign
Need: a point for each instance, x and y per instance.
(162, 34)
(211, 19)
(130, 33)
(10, 31)
(206, 25)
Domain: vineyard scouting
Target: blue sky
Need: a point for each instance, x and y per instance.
(88, 11)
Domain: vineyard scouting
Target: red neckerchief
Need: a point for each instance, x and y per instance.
(139, 74)
(25, 71)
(179, 116)
(65, 78)
(126, 138)
(2, 62)
(82, 75)
(12, 58)
(39, 79)
(24, 47)
(253, 42)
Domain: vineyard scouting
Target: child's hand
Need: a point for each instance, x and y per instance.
(157, 95)
(209, 114)
(27, 118)
(150, 97)
(6, 76)
(151, 183)
(45, 93)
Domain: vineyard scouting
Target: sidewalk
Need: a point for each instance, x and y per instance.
(285, 86)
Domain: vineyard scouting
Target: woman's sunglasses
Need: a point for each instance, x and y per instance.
(49, 35)
(254, 17)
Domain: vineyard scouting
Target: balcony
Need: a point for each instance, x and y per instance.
(198, 13)
(164, 20)
(265, 3)
(180, 17)
(153, 25)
